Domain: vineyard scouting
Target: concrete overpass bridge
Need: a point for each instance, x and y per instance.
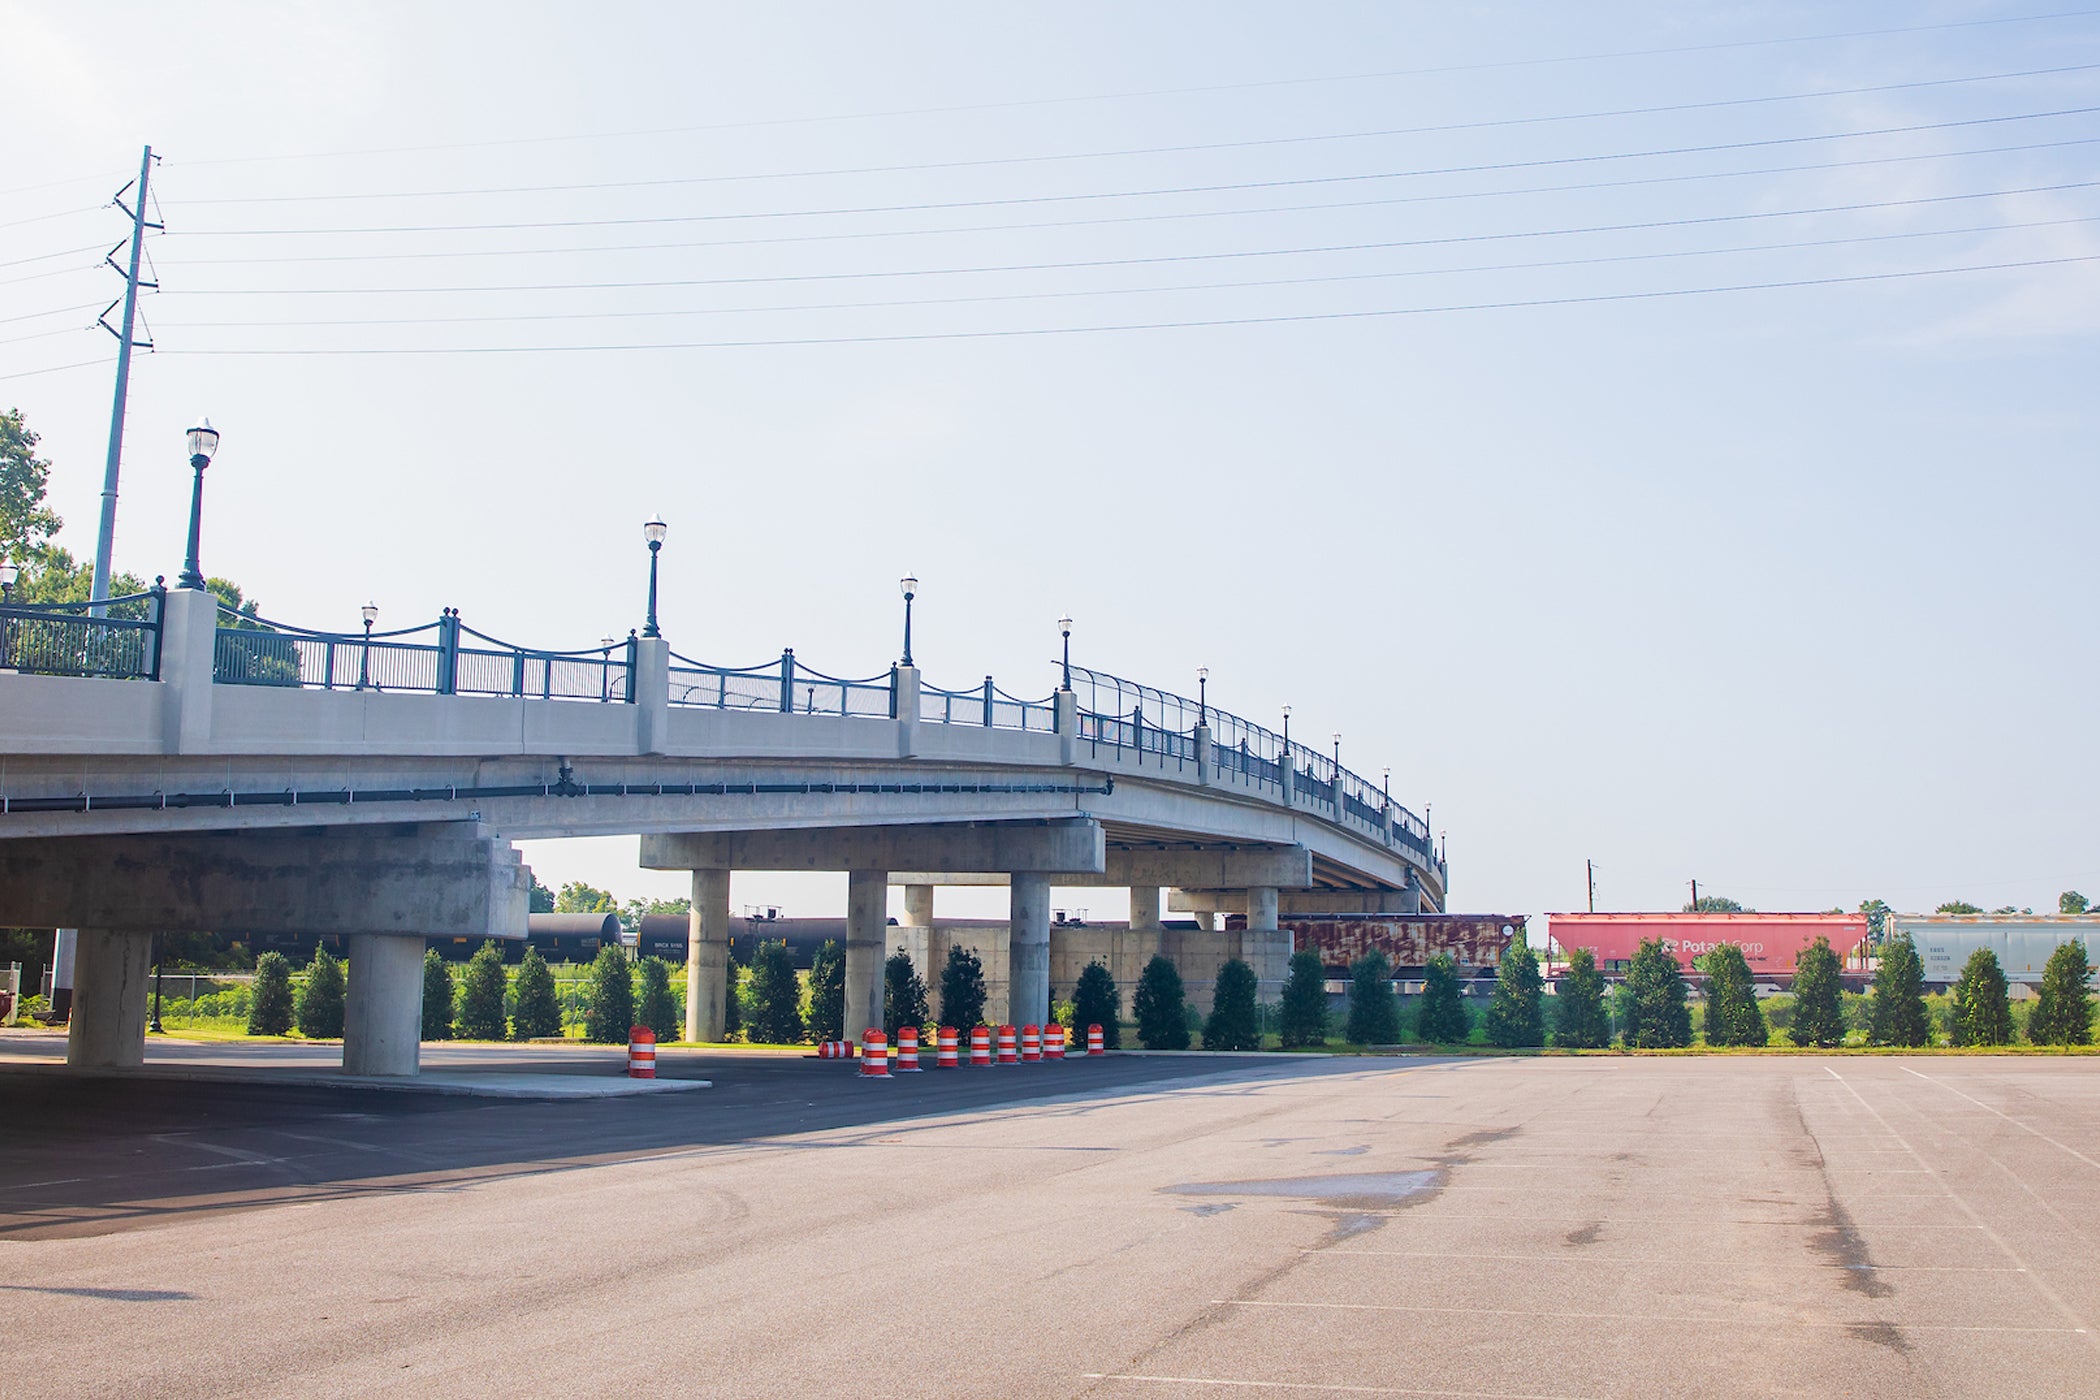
(172, 766)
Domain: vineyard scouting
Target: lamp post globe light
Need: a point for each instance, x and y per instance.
(909, 587)
(10, 571)
(1064, 625)
(1203, 695)
(1286, 731)
(1337, 756)
(653, 532)
(370, 613)
(203, 443)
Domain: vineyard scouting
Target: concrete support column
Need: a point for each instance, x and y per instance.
(918, 905)
(867, 920)
(383, 1006)
(707, 956)
(1263, 946)
(111, 974)
(1144, 909)
(188, 646)
(1206, 760)
(1067, 727)
(652, 694)
(907, 703)
(1028, 956)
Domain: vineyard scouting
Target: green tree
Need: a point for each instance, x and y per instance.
(2071, 902)
(1374, 1012)
(26, 523)
(1819, 1017)
(538, 1016)
(1579, 1022)
(1096, 1002)
(659, 1004)
(437, 997)
(1714, 904)
(903, 994)
(1516, 1017)
(635, 910)
(1877, 918)
(2063, 1012)
(1442, 1018)
(827, 992)
(541, 899)
(962, 989)
(1898, 1015)
(1232, 1024)
(1303, 1018)
(481, 996)
(608, 995)
(321, 999)
(1733, 1016)
(773, 997)
(578, 898)
(1159, 1005)
(1652, 1003)
(270, 996)
(1982, 1010)
(1958, 906)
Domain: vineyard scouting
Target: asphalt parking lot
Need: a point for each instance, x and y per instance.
(1129, 1227)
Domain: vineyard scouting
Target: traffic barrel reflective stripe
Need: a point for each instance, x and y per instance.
(1031, 1043)
(1009, 1051)
(946, 1041)
(641, 1053)
(907, 1050)
(980, 1045)
(1053, 1041)
(874, 1055)
(1094, 1044)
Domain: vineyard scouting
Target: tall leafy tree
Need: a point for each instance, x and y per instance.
(1877, 918)
(1819, 1018)
(1579, 1021)
(437, 996)
(538, 1016)
(962, 988)
(321, 999)
(634, 910)
(578, 898)
(2072, 902)
(1442, 1019)
(481, 989)
(1516, 1016)
(608, 996)
(1303, 1018)
(1374, 1012)
(827, 992)
(773, 997)
(903, 994)
(2063, 1011)
(1959, 906)
(658, 1008)
(1160, 1006)
(1982, 1009)
(1733, 1016)
(541, 899)
(1652, 1003)
(1898, 1015)
(26, 523)
(270, 996)
(1714, 904)
(1097, 1002)
(1233, 1023)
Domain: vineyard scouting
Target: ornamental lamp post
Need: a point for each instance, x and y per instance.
(1385, 783)
(1064, 625)
(203, 444)
(9, 572)
(909, 587)
(370, 613)
(1338, 757)
(1203, 695)
(1286, 731)
(653, 532)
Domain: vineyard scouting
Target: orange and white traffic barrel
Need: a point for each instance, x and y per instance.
(907, 1050)
(1053, 1041)
(641, 1053)
(874, 1055)
(1009, 1049)
(946, 1042)
(1031, 1043)
(1094, 1045)
(824, 1050)
(980, 1046)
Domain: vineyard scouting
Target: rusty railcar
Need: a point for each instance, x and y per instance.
(1409, 941)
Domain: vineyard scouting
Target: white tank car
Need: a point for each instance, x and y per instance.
(2023, 942)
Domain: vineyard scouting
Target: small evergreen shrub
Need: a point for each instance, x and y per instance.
(1818, 1010)
(1095, 1001)
(481, 996)
(608, 997)
(270, 996)
(1442, 1019)
(1733, 1016)
(1516, 1017)
(2063, 1011)
(1374, 1013)
(538, 1016)
(962, 989)
(659, 1004)
(773, 997)
(437, 996)
(1302, 1019)
(321, 999)
(1233, 1024)
(903, 994)
(1652, 1004)
(827, 992)
(1579, 1019)
(1982, 1011)
(1160, 1007)
(1898, 1016)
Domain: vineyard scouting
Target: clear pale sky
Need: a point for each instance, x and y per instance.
(1789, 590)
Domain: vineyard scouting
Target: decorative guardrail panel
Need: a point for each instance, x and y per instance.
(71, 639)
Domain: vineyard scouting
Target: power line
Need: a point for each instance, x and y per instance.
(1163, 258)
(1213, 323)
(1164, 216)
(1495, 65)
(1236, 186)
(46, 335)
(54, 369)
(60, 214)
(1184, 149)
(55, 311)
(46, 257)
(1135, 291)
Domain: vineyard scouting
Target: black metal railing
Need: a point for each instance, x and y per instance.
(68, 639)
(435, 658)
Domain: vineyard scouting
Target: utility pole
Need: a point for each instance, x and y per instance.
(1590, 868)
(105, 537)
(1695, 896)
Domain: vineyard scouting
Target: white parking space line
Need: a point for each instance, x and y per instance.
(1620, 1261)
(1322, 1389)
(1640, 1317)
(2006, 1116)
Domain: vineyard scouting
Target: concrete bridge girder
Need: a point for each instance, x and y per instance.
(1075, 844)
